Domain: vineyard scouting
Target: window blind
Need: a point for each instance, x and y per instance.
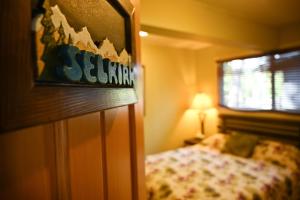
(268, 82)
(287, 81)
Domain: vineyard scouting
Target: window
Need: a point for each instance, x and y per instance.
(267, 82)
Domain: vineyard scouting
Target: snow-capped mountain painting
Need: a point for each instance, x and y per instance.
(52, 28)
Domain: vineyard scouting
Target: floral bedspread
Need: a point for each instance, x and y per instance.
(199, 173)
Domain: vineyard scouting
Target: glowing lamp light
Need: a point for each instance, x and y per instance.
(201, 103)
(143, 34)
(276, 56)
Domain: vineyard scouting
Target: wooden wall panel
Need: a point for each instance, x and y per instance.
(86, 171)
(117, 139)
(27, 164)
(94, 156)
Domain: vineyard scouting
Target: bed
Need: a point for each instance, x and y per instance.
(205, 171)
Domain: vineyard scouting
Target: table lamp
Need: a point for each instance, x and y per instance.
(201, 103)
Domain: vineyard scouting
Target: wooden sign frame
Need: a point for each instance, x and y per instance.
(23, 101)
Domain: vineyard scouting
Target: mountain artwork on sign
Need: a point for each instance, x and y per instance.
(65, 55)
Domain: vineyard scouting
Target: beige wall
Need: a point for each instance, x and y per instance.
(170, 83)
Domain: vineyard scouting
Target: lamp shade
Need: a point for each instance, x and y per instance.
(201, 102)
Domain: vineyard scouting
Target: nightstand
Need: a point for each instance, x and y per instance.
(192, 141)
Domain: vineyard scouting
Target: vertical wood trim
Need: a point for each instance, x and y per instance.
(136, 129)
(137, 153)
(103, 151)
(220, 83)
(133, 153)
(62, 160)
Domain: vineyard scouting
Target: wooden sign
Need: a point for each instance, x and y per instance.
(80, 58)
(66, 55)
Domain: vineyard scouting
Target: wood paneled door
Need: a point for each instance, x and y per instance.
(98, 155)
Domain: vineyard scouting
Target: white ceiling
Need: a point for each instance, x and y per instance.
(275, 13)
